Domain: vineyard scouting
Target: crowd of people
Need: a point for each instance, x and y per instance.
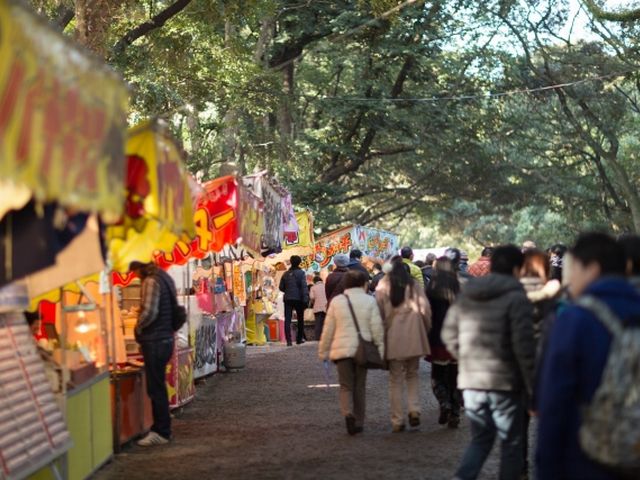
(520, 335)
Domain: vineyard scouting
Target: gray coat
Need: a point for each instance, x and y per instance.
(490, 331)
(294, 285)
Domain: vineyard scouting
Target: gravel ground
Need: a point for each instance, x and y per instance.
(276, 419)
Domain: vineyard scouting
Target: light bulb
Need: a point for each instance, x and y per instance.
(82, 325)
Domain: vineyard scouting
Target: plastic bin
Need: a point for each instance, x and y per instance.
(274, 330)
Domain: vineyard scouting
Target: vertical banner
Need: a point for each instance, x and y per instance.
(239, 289)
(273, 225)
(290, 225)
(251, 219)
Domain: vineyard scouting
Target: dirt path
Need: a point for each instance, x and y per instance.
(277, 420)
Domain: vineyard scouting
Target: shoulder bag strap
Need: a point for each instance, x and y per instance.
(353, 315)
(603, 313)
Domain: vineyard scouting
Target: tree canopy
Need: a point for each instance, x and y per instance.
(487, 121)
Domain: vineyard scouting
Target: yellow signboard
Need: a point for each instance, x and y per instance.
(62, 117)
(158, 206)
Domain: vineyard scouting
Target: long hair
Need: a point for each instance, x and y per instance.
(399, 278)
(536, 264)
(444, 282)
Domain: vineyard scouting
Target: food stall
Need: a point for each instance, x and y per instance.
(71, 330)
(158, 211)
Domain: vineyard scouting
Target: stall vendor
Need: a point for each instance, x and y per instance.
(154, 333)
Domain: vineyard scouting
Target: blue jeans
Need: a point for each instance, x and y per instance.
(156, 356)
(491, 413)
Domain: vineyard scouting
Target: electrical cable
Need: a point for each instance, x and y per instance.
(487, 95)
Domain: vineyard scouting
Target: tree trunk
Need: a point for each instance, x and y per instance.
(285, 118)
(232, 117)
(630, 193)
(93, 18)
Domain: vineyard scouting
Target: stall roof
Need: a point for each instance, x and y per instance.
(62, 118)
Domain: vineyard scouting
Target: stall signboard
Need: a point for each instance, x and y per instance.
(327, 247)
(180, 382)
(374, 243)
(216, 224)
(300, 243)
(303, 238)
(251, 219)
(158, 198)
(63, 118)
(206, 351)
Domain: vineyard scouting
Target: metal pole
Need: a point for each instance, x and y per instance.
(114, 364)
(63, 353)
(65, 373)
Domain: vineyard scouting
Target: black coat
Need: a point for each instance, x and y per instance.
(294, 286)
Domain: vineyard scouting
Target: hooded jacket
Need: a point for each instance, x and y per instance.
(572, 367)
(489, 329)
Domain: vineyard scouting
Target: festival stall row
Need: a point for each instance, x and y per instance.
(83, 210)
(81, 325)
(62, 127)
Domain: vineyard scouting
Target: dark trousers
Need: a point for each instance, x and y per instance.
(492, 414)
(156, 357)
(525, 442)
(320, 316)
(444, 381)
(353, 381)
(289, 306)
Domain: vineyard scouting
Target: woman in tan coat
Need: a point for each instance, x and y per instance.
(406, 316)
(339, 343)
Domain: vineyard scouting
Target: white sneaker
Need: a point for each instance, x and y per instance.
(152, 439)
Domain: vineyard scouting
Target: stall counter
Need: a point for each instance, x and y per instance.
(88, 413)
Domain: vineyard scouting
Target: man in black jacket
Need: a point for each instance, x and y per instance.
(296, 297)
(154, 333)
(490, 331)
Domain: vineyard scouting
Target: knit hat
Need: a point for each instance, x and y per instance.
(341, 260)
